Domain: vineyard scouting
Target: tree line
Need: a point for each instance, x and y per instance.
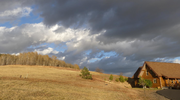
(33, 58)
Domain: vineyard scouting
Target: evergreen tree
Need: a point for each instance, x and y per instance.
(85, 73)
(111, 77)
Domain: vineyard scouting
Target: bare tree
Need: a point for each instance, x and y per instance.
(99, 70)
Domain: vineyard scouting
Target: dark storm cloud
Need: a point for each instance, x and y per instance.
(120, 18)
(112, 65)
(115, 65)
(10, 4)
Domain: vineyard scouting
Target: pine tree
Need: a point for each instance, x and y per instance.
(85, 73)
(111, 77)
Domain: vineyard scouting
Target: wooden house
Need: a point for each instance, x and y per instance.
(160, 73)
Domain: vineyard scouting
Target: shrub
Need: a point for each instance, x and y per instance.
(117, 80)
(111, 77)
(145, 82)
(142, 82)
(99, 70)
(148, 83)
(85, 73)
(121, 78)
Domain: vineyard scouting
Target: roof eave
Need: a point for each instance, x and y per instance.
(141, 70)
(152, 69)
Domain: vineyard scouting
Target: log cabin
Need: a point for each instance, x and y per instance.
(162, 74)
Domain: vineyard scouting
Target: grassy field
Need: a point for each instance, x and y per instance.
(58, 83)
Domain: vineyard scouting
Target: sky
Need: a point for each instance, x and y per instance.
(114, 35)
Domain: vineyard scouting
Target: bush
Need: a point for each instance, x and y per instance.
(121, 78)
(145, 82)
(117, 80)
(85, 73)
(99, 70)
(148, 83)
(111, 77)
(142, 82)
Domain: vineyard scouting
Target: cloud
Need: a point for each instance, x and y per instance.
(47, 51)
(176, 61)
(143, 29)
(121, 19)
(12, 15)
(16, 39)
(116, 65)
(18, 12)
(9, 4)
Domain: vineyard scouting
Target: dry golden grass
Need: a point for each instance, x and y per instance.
(54, 83)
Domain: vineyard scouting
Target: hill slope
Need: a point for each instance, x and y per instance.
(58, 83)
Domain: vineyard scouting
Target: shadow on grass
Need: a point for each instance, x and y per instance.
(131, 81)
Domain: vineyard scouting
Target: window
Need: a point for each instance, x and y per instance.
(154, 81)
(179, 80)
(171, 81)
(146, 73)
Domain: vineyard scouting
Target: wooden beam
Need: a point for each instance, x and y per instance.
(160, 82)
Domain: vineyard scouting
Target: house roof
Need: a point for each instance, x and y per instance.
(136, 74)
(168, 70)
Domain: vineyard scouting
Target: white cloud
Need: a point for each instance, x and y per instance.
(20, 37)
(61, 58)
(83, 60)
(15, 54)
(176, 61)
(47, 51)
(22, 12)
(93, 60)
(11, 15)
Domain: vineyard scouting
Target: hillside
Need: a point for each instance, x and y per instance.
(59, 83)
